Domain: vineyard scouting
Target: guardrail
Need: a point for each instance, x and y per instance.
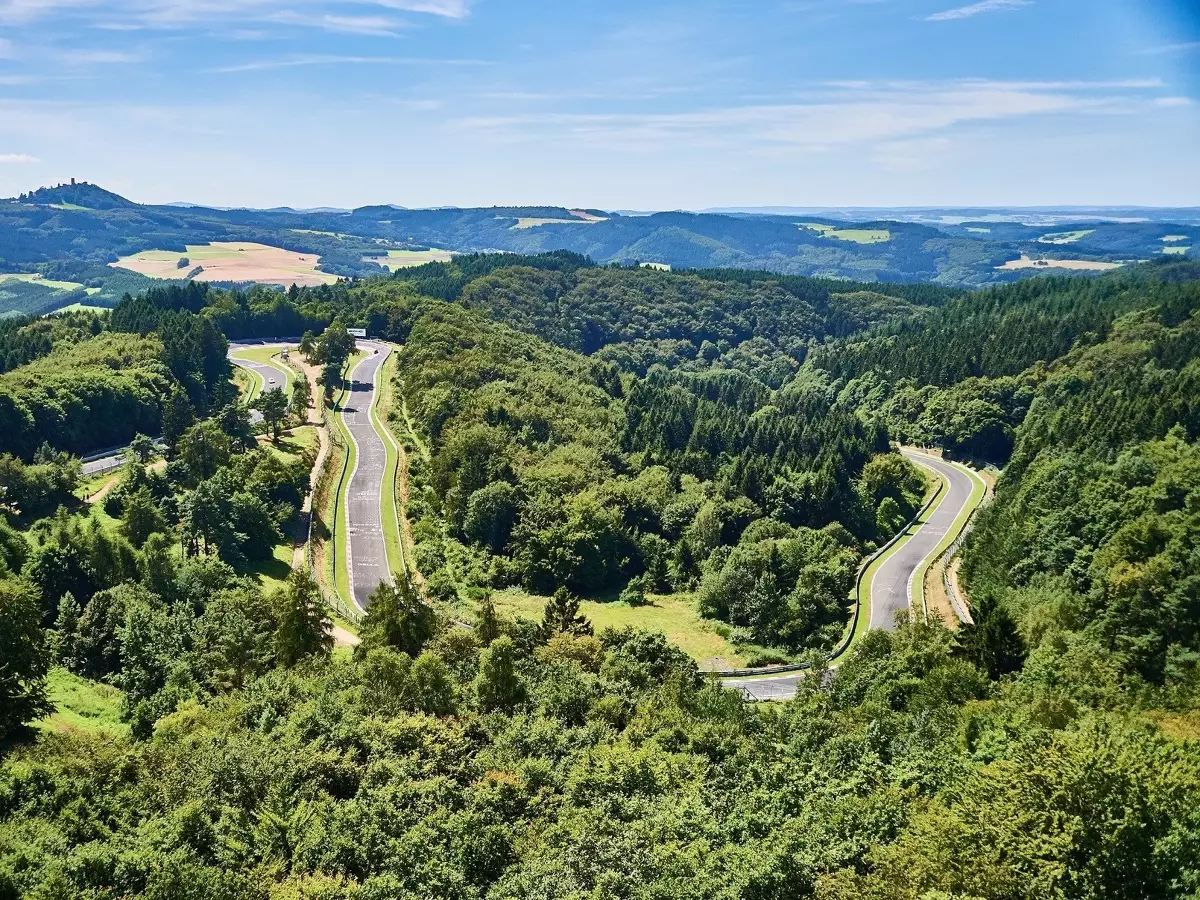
(844, 644)
(332, 599)
(947, 556)
(386, 434)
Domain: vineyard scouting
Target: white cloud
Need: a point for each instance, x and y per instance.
(333, 60)
(975, 9)
(96, 57)
(28, 10)
(17, 158)
(170, 13)
(1173, 101)
(378, 26)
(847, 115)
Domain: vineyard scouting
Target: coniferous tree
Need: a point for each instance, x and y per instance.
(397, 617)
(64, 640)
(498, 686)
(304, 626)
(487, 622)
(177, 417)
(26, 659)
(562, 614)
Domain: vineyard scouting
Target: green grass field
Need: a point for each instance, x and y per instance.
(1167, 239)
(34, 278)
(248, 384)
(531, 222)
(1176, 251)
(979, 230)
(85, 307)
(1065, 237)
(336, 513)
(271, 574)
(675, 616)
(854, 235)
(82, 706)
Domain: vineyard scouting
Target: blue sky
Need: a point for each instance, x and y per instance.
(605, 103)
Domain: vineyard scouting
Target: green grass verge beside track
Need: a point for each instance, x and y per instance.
(336, 558)
(384, 403)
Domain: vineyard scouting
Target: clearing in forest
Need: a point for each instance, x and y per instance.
(854, 235)
(1065, 237)
(234, 261)
(34, 278)
(674, 615)
(1081, 265)
(407, 259)
(578, 217)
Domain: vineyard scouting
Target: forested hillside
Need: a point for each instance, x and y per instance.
(549, 469)
(72, 233)
(618, 434)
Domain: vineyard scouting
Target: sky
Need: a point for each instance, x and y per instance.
(611, 104)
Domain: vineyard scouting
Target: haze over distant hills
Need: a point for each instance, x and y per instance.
(79, 237)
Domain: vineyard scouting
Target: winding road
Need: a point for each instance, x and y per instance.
(274, 376)
(892, 590)
(366, 546)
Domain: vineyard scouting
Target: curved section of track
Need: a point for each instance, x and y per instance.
(892, 591)
(273, 376)
(366, 546)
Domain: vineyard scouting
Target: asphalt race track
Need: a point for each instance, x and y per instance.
(892, 582)
(267, 371)
(890, 588)
(366, 549)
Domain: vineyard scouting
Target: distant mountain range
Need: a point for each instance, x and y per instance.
(70, 233)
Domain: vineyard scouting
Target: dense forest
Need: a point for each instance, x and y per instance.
(615, 433)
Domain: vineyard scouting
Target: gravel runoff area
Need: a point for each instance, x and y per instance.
(892, 590)
(366, 547)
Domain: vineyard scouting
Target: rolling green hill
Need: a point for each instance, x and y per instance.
(77, 230)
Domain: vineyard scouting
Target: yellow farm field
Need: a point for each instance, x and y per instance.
(1080, 265)
(407, 259)
(230, 261)
(1174, 238)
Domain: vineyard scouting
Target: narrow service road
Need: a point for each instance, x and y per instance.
(366, 548)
